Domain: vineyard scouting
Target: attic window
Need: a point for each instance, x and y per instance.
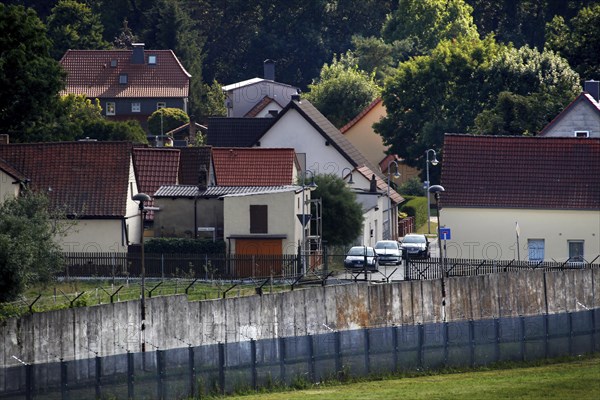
(152, 60)
(113, 63)
(581, 134)
(123, 79)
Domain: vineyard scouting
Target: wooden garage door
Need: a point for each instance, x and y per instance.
(258, 258)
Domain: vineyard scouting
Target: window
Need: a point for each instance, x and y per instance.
(575, 250)
(582, 134)
(113, 63)
(160, 104)
(110, 108)
(536, 249)
(152, 60)
(258, 219)
(123, 79)
(136, 107)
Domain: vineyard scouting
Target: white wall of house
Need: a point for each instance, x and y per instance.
(281, 216)
(385, 206)
(581, 118)
(8, 189)
(294, 131)
(373, 217)
(94, 235)
(491, 233)
(132, 215)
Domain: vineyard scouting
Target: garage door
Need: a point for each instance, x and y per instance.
(258, 258)
(258, 246)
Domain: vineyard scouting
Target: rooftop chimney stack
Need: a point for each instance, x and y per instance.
(593, 88)
(137, 57)
(269, 69)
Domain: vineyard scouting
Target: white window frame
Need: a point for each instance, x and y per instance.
(581, 134)
(535, 252)
(152, 59)
(111, 108)
(575, 258)
(161, 104)
(136, 107)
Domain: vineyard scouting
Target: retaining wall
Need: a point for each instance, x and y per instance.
(174, 322)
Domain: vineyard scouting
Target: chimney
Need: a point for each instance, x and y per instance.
(593, 88)
(137, 57)
(269, 69)
(202, 178)
(296, 96)
(4, 138)
(373, 187)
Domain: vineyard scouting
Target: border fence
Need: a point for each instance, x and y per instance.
(226, 367)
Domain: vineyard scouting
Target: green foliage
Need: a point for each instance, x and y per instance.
(342, 90)
(183, 246)
(212, 101)
(342, 215)
(578, 40)
(28, 251)
(424, 23)
(29, 77)
(412, 187)
(73, 25)
(166, 119)
(416, 207)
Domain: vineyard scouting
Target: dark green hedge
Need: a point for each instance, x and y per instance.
(183, 246)
(416, 207)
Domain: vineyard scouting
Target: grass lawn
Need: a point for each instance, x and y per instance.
(578, 379)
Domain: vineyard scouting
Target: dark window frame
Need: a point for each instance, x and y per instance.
(259, 218)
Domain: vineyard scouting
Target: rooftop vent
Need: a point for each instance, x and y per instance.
(593, 88)
(269, 69)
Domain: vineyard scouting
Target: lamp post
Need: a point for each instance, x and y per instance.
(350, 181)
(142, 197)
(433, 162)
(436, 190)
(311, 186)
(389, 210)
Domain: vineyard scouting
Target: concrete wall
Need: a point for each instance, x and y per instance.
(174, 322)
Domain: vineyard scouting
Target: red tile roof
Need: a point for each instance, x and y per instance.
(155, 167)
(381, 184)
(89, 179)
(521, 172)
(192, 160)
(89, 72)
(240, 166)
(261, 105)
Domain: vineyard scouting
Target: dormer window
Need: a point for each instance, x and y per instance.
(151, 60)
(581, 134)
(113, 63)
(123, 79)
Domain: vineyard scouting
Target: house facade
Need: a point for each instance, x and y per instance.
(130, 84)
(527, 198)
(92, 183)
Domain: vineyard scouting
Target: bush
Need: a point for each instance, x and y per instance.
(412, 187)
(166, 119)
(183, 246)
(416, 207)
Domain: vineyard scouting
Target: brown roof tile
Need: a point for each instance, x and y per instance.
(89, 72)
(254, 166)
(521, 172)
(191, 161)
(89, 179)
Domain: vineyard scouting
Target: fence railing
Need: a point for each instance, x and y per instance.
(191, 266)
(226, 367)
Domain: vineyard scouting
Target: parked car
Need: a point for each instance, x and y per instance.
(388, 252)
(415, 245)
(355, 258)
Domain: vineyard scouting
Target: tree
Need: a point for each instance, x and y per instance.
(424, 23)
(125, 38)
(342, 90)
(342, 215)
(29, 77)
(578, 40)
(73, 25)
(28, 251)
(446, 91)
(166, 119)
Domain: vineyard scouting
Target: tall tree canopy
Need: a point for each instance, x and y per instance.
(73, 25)
(446, 91)
(30, 78)
(342, 90)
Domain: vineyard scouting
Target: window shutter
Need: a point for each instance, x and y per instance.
(258, 219)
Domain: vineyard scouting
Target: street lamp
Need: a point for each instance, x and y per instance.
(436, 190)
(311, 186)
(433, 162)
(350, 181)
(142, 197)
(389, 210)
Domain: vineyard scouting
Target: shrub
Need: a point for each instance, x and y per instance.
(416, 207)
(184, 246)
(171, 118)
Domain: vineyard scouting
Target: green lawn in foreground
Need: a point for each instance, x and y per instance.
(567, 380)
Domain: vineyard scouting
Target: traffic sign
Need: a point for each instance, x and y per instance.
(445, 234)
